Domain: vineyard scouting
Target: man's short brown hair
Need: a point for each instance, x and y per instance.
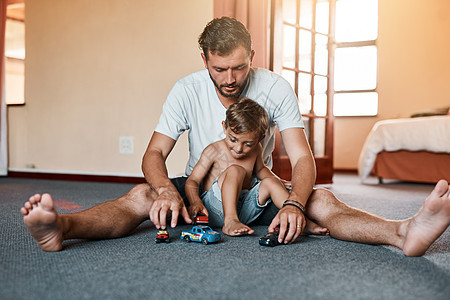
(222, 35)
(245, 116)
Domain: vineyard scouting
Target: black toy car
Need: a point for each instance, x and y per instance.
(271, 238)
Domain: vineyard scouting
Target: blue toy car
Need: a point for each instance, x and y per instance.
(201, 234)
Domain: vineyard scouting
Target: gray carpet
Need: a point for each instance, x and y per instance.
(236, 268)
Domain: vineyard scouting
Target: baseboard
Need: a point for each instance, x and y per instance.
(348, 171)
(77, 177)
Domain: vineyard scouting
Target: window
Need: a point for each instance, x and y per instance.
(355, 61)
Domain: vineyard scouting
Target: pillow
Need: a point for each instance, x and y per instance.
(434, 112)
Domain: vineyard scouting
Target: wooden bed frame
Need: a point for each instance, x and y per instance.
(413, 166)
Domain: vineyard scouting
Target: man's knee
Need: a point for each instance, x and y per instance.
(135, 204)
(321, 200)
(141, 193)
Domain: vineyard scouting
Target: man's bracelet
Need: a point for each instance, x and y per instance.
(296, 204)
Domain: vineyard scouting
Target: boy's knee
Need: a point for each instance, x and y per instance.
(235, 171)
(269, 182)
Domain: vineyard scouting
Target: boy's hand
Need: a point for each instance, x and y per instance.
(196, 207)
(287, 184)
(168, 201)
(292, 217)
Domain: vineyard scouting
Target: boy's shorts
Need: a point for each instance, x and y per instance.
(248, 208)
(265, 215)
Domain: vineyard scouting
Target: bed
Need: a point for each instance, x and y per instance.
(412, 149)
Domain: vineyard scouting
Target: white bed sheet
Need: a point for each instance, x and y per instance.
(413, 134)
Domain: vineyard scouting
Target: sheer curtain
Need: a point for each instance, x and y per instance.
(254, 14)
(3, 141)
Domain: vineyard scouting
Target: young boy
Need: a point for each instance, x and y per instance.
(232, 197)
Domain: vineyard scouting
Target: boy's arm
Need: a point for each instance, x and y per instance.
(261, 171)
(194, 180)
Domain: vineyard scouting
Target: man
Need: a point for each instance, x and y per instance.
(196, 103)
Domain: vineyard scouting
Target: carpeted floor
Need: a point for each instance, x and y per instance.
(235, 268)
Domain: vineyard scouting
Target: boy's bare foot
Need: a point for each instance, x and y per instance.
(41, 219)
(236, 228)
(429, 223)
(313, 228)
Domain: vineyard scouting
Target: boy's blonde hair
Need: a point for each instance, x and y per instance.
(245, 115)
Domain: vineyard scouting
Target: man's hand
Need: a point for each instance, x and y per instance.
(168, 201)
(288, 216)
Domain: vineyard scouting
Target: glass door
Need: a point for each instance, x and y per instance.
(302, 41)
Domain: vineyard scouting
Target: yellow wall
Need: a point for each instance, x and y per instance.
(414, 70)
(97, 70)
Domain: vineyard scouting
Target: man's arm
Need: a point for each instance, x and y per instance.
(155, 172)
(302, 162)
(303, 180)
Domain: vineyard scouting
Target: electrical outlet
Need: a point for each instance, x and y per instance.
(126, 145)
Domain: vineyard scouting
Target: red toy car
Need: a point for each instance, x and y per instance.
(162, 236)
(200, 219)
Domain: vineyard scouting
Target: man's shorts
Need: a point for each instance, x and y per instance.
(263, 218)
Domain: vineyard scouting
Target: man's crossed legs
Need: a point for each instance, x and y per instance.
(117, 218)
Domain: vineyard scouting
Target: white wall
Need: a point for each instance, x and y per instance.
(97, 70)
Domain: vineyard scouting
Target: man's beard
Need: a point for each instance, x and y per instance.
(229, 95)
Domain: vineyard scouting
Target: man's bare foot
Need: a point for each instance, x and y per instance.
(236, 228)
(41, 219)
(429, 223)
(313, 228)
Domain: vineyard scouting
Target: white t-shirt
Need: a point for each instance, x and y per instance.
(193, 105)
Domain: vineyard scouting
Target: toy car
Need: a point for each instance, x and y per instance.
(271, 238)
(200, 218)
(162, 236)
(202, 234)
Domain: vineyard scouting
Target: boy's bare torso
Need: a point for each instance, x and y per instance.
(221, 158)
